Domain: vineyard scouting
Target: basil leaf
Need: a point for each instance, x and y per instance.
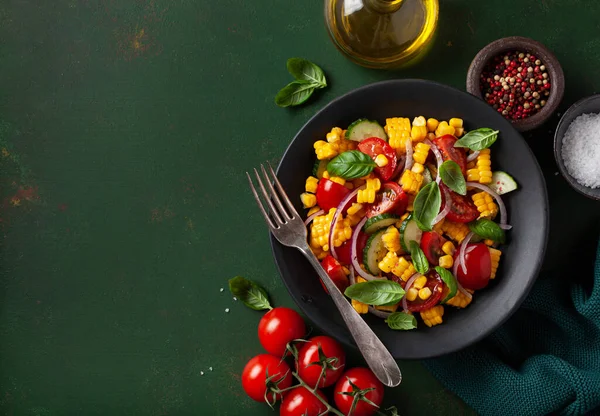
(351, 165)
(453, 178)
(295, 93)
(478, 139)
(401, 321)
(450, 281)
(488, 229)
(427, 205)
(251, 294)
(418, 257)
(303, 69)
(376, 292)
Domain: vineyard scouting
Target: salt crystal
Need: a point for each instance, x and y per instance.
(581, 150)
(209, 368)
(220, 290)
(234, 298)
(201, 373)
(226, 310)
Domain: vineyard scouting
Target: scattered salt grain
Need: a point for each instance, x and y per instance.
(234, 298)
(201, 373)
(581, 150)
(209, 368)
(220, 290)
(226, 310)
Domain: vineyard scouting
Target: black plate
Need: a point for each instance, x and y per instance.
(527, 207)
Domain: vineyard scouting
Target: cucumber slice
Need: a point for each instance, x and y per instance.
(379, 222)
(363, 129)
(320, 167)
(409, 230)
(502, 183)
(373, 253)
(427, 178)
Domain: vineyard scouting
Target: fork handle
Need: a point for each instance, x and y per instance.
(376, 355)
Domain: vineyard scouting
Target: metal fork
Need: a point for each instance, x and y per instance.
(289, 229)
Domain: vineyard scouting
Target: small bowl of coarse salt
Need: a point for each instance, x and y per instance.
(577, 146)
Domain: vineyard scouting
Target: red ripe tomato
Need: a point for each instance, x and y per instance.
(431, 244)
(375, 146)
(278, 327)
(391, 198)
(254, 377)
(449, 152)
(301, 402)
(336, 272)
(330, 194)
(309, 367)
(363, 379)
(463, 209)
(436, 285)
(478, 263)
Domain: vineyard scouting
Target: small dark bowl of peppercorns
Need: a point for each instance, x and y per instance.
(520, 78)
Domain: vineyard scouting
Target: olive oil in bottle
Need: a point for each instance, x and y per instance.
(382, 33)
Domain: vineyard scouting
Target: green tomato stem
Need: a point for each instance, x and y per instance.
(314, 392)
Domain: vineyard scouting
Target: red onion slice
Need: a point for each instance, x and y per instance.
(378, 313)
(463, 290)
(409, 283)
(458, 285)
(505, 226)
(438, 158)
(461, 254)
(446, 209)
(351, 278)
(312, 217)
(337, 214)
(473, 156)
(501, 205)
(354, 256)
(409, 155)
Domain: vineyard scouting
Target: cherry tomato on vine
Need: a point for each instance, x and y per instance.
(318, 353)
(302, 402)
(254, 377)
(278, 327)
(351, 390)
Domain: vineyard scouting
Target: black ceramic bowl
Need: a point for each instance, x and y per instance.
(528, 213)
(584, 106)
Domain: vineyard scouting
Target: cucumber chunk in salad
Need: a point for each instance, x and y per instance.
(374, 252)
(379, 222)
(409, 230)
(502, 183)
(363, 129)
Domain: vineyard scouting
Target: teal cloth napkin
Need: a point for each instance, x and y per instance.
(545, 359)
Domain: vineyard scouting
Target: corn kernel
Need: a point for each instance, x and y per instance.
(388, 262)
(446, 261)
(337, 179)
(374, 184)
(433, 316)
(391, 239)
(459, 131)
(388, 308)
(313, 210)
(354, 208)
(449, 248)
(334, 135)
(308, 200)
(324, 150)
(419, 121)
(365, 196)
(418, 133)
(432, 124)
(381, 160)
(425, 293)
(420, 282)
(418, 168)
(443, 129)
(456, 122)
(326, 175)
(311, 184)
(420, 153)
(412, 294)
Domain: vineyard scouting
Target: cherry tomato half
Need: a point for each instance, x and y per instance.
(301, 402)
(336, 272)
(254, 377)
(364, 379)
(463, 209)
(278, 327)
(309, 368)
(449, 152)
(330, 194)
(431, 244)
(436, 285)
(478, 263)
(391, 198)
(375, 146)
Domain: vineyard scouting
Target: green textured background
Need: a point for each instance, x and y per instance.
(126, 128)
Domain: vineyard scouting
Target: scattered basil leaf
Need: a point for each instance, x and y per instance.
(401, 321)
(427, 205)
(303, 69)
(295, 93)
(478, 139)
(251, 294)
(449, 280)
(488, 230)
(351, 165)
(418, 257)
(453, 178)
(376, 292)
